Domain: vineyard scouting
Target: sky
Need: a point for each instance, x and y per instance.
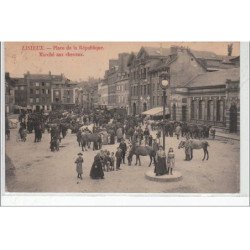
(20, 57)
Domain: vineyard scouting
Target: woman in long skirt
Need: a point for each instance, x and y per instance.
(161, 166)
(96, 171)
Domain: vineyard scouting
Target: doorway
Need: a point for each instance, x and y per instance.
(184, 113)
(233, 119)
(134, 109)
(37, 108)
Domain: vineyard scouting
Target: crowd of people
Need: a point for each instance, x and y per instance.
(102, 128)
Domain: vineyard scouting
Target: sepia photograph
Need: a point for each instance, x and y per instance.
(122, 117)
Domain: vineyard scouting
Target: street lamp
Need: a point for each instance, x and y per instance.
(164, 83)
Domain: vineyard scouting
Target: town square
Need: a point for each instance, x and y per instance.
(162, 119)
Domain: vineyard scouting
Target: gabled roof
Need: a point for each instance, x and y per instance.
(157, 51)
(215, 78)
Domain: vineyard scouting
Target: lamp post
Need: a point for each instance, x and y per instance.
(164, 83)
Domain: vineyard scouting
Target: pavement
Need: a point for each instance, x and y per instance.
(40, 170)
(229, 136)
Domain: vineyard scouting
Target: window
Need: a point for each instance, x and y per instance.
(31, 100)
(31, 91)
(174, 112)
(201, 110)
(184, 100)
(37, 100)
(43, 91)
(37, 84)
(145, 89)
(46, 91)
(193, 109)
(37, 91)
(219, 110)
(42, 83)
(22, 88)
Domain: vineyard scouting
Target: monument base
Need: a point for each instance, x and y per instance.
(176, 176)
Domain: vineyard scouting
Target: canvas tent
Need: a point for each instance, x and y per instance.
(158, 111)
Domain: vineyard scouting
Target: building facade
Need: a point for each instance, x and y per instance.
(39, 89)
(204, 87)
(144, 84)
(9, 94)
(117, 79)
(103, 94)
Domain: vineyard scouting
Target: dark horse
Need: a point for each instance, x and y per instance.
(189, 145)
(143, 151)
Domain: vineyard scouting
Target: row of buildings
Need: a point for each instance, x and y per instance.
(204, 87)
(47, 92)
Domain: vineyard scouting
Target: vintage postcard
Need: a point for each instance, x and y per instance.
(124, 121)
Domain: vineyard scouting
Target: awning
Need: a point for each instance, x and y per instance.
(155, 111)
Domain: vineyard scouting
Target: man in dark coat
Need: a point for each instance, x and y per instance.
(118, 156)
(123, 147)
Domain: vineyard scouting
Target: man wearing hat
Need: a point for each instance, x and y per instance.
(123, 147)
(79, 162)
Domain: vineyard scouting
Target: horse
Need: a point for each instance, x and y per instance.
(195, 144)
(96, 139)
(83, 137)
(143, 151)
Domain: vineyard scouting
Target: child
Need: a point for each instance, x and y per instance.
(112, 164)
(170, 161)
(108, 161)
(79, 162)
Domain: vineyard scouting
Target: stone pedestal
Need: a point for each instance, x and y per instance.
(150, 175)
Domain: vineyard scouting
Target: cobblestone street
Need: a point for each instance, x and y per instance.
(40, 170)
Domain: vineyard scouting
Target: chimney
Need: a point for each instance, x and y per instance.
(229, 49)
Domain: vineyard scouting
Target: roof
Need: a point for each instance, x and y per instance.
(43, 76)
(215, 78)
(205, 55)
(156, 51)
